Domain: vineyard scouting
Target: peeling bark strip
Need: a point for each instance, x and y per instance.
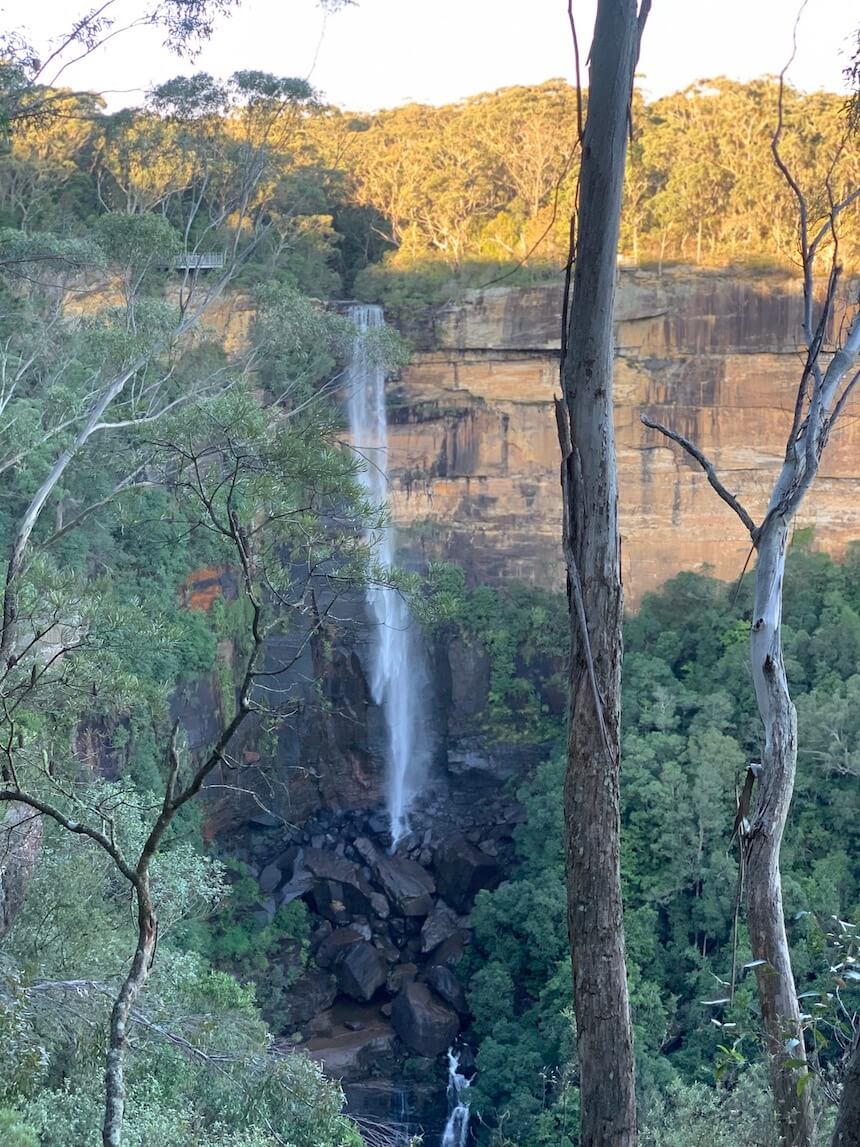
(592, 551)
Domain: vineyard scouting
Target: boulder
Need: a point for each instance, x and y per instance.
(389, 951)
(321, 1025)
(313, 992)
(270, 878)
(442, 923)
(339, 891)
(380, 905)
(263, 911)
(401, 975)
(462, 870)
(450, 951)
(282, 869)
(328, 950)
(406, 884)
(344, 1053)
(287, 859)
(299, 886)
(366, 850)
(426, 1024)
(446, 985)
(360, 970)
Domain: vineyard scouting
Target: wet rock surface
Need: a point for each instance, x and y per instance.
(354, 1042)
(407, 885)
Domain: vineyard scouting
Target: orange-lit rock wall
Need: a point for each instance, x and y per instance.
(474, 457)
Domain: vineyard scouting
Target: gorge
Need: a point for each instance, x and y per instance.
(462, 442)
(289, 840)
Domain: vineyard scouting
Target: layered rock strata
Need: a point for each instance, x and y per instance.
(474, 456)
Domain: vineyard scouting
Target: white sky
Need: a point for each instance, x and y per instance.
(386, 52)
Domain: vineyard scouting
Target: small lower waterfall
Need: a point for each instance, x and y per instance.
(456, 1131)
(399, 679)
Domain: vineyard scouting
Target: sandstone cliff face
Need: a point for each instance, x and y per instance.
(474, 456)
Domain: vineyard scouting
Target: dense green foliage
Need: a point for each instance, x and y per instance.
(218, 444)
(411, 205)
(202, 1070)
(689, 732)
(141, 454)
(523, 631)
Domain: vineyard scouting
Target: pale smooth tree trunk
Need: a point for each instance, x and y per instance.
(783, 1029)
(147, 932)
(592, 556)
(829, 378)
(821, 399)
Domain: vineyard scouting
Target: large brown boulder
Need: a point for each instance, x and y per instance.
(346, 1054)
(425, 1023)
(462, 870)
(360, 970)
(406, 884)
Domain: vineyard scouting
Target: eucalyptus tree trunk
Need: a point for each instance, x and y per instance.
(783, 1029)
(821, 398)
(132, 986)
(847, 1130)
(595, 598)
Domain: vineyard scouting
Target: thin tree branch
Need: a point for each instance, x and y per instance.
(710, 472)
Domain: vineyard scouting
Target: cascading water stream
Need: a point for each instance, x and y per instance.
(456, 1131)
(399, 678)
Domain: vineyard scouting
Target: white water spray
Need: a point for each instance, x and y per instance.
(456, 1130)
(399, 678)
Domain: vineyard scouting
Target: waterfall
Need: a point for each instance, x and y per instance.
(399, 677)
(456, 1131)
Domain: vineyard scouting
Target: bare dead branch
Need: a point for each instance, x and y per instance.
(688, 447)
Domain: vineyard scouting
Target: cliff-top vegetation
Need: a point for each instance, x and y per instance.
(414, 201)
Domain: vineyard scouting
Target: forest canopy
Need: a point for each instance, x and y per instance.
(435, 191)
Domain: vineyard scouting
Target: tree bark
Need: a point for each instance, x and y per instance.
(147, 931)
(821, 398)
(847, 1130)
(783, 1030)
(595, 598)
